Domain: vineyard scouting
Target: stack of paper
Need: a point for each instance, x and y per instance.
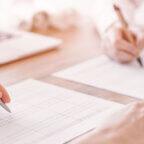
(48, 114)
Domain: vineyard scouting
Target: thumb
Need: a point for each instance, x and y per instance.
(129, 36)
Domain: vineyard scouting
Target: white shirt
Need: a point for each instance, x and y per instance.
(104, 14)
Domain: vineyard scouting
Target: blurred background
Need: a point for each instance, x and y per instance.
(14, 11)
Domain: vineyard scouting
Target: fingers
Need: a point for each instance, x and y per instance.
(137, 109)
(126, 34)
(4, 95)
(123, 45)
(124, 57)
(138, 105)
(120, 48)
(141, 42)
(120, 51)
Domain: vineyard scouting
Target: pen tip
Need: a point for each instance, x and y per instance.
(9, 111)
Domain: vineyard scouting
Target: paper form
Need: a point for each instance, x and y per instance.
(101, 72)
(47, 114)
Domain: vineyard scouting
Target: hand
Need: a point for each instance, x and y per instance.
(126, 127)
(118, 47)
(4, 95)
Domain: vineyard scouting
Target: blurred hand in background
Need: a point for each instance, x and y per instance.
(118, 47)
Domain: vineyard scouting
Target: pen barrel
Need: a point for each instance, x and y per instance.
(130, 37)
(125, 26)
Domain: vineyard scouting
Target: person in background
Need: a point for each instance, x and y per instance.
(127, 125)
(112, 33)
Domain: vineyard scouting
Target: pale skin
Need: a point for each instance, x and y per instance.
(4, 96)
(125, 127)
(118, 47)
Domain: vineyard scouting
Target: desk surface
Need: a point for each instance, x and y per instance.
(79, 44)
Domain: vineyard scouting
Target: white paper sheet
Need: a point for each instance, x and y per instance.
(48, 114)
(104, 73)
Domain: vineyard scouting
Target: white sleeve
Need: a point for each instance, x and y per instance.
(139, 16)
(104, 14)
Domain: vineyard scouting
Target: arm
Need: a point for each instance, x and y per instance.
(124, 127)
(114, 40)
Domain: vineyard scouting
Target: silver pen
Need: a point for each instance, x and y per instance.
(3, 105)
